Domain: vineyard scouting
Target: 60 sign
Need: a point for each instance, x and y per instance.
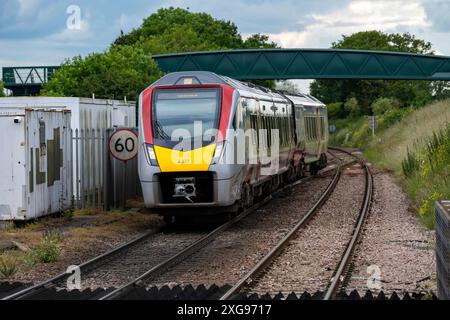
(123, 144)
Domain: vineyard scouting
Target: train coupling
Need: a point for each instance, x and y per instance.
(185, 188)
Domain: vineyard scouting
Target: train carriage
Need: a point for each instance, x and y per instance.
(211, 144)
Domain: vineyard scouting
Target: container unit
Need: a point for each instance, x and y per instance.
(36, 162)
(86, 113)
(90, 117)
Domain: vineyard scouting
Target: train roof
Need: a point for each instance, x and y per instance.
(305, 100)
(245, 89)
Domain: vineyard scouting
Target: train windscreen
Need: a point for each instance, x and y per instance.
(176, 110)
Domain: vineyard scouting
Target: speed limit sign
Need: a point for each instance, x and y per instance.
(123, 144)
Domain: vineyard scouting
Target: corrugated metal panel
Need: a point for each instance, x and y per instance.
(87, 114)
(38, 165)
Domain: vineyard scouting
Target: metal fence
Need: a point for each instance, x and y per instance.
(100, 180)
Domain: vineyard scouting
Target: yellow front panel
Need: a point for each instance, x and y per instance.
(170, 160)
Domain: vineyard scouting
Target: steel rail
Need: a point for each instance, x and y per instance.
(337, 279)
(36, 289)
(194, 247)
(275, 251)
(197, 245)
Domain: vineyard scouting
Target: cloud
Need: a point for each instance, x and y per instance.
(34, 31)
(82, 36)
(357, 16)
(258, 16)
(28, 7)
(437, 12)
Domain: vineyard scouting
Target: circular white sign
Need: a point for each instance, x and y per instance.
(123, 144)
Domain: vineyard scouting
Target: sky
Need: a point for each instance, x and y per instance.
(45, 32)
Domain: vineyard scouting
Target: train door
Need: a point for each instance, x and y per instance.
(300, 127)
(318, 120)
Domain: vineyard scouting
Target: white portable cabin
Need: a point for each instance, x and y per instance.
(87, 114)
(35, 162)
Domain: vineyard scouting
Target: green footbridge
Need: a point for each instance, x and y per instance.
(273, 64)
(280, 64)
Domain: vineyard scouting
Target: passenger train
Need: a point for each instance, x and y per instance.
(183, 171)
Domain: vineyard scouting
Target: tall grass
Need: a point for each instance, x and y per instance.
(410, 164)
(426, 170)
(416, 147)
(8, 265)
(391, 145)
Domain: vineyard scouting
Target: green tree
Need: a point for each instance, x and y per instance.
(2, 93)
(179, 30)
(116, 73)
(336, 110)
(381, 105)
(367, 91)
(223, 34)
(125, 68)
(258, 40)
(352, 107)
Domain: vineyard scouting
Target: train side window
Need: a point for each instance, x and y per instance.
(280, 130)
(323, 127)
(308, 128)
(314, 128)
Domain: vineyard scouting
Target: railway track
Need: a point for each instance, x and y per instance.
(179, 260)
(339, 275)
(252, 276)
(112, 263)
(94, 266)
(86, 267)
(162, 268)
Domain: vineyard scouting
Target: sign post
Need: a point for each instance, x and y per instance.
(123, 146)
(373, 124)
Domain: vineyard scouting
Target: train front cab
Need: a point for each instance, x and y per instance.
(186, 179)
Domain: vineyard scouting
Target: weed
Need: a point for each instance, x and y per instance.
(8, 265)
(411, 164)
(48, 250)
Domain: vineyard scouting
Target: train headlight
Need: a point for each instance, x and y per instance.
(218, 152)
(151, 156)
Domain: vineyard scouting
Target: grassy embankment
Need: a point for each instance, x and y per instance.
(412, 143)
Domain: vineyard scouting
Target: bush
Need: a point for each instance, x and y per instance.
(48, 250)
(8, 265)
(427, 171)
(392, 116)
(2, 94)
(352, 107)
(336, 110)
(381, 105)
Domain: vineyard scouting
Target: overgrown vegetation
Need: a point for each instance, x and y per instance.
(48, 250)
(414, 143)
(427, 169)
(2, 89)
(8, 265)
